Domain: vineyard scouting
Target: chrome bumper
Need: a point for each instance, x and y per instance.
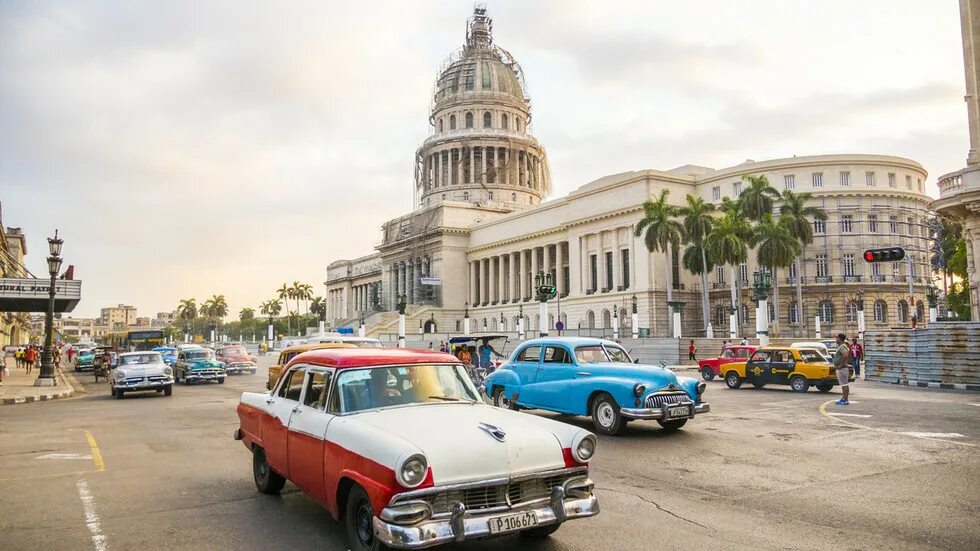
(145, 385)
(462, 526)
(660, 413)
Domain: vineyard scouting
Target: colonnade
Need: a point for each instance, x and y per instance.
(454, 166)
(404, 279)
(509, 277)
(349, 302)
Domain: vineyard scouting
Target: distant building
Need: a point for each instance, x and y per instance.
(14, 326)
(163, 319)
(118, 318)
(76, 328)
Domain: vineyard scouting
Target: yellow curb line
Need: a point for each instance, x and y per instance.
(823, 411)
(96, 454)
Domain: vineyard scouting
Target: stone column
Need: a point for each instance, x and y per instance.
(483, 161)
(559, 268)
(512, 264)
(484, 281)
(501, 280)
(534, 268)
(472, 166)
(522, 278)
(546, 259)
(472, 296)
(506, 167)
(439, 182)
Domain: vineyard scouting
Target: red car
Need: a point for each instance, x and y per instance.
(710, 368)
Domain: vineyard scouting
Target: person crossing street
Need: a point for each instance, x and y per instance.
(842, 364)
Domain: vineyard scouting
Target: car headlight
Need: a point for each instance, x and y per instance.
(120, 374)
(412, 471)
(168, 372)
(638, 390)
(585, 448)
(700, 388)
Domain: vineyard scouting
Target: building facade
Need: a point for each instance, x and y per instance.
(482, 230)
(14, 326)
(119, 317)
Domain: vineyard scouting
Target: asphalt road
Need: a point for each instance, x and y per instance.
(766, 469)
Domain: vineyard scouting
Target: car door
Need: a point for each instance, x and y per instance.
(780, 366)
(757, 368)
(526, 364)
(275, 426)
(554, 376)
(307, 432)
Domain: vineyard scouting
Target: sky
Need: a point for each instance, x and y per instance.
(185, 149)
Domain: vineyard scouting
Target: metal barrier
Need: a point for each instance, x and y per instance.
(943, 352)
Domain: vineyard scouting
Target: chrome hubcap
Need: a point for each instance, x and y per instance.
(605, 414)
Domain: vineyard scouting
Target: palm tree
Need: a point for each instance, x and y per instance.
(800, 218)
(219, 307)
(661, 233)
(246, 315)
(756, 199)
(187, 310)
(285, 293)
(777, 248)
(318, 307)
(306, 293)
(728, 243)
(697, 226)
(296, 292)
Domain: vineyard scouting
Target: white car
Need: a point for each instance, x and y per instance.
(141, 371)
(360, 342)
(814, 345)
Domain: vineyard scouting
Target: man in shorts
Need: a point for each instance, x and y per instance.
(842, 364)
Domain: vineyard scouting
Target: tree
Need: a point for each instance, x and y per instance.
(246, 315)
(756, 199)
(697, 226)
(777, 247)
(728, 243)
(800, 217)
(305, 292)
(947, 240)
(661, 233)
(296, 292)
(285, 293)
(318, 307)
(187, 310)
(219, 307)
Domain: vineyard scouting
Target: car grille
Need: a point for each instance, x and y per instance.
(154, 378)
(658, 400)
(205, 372)
(499, 496)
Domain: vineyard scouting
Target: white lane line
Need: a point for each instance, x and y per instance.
(977, 405)
(91, 518)
(935, 434)
(63, 456)
(848, 414)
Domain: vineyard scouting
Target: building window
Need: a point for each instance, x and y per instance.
(737, 189)
(873, 223)
(826, 311)
(720, 275)
(625, 257)
(721, 316)
(743, 273)
(716, 193)
(920, 310)
(851, 313)
(794, 313)
(845, 178)
(893, 225)
(452, 122)
(847, 264)
(819, 226)
(487, 119)
(908, 181)
(503, 122)
(469, 120)
(876, 272)
(847, 223)
(466, 196)
(517, 124)
(513, 197)
(817, 179)
(880, 311)
(822, 265)
(609, 270)
(490, 195)
(789, 181)
(440, 125)
(903, 311)
(593, 273)
(794, 270)
(891, 179)
(869, 178)
(675, 259)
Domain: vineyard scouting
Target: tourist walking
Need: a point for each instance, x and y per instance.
(692, 351)
(842, 364)
(857, 354)
(30, 356)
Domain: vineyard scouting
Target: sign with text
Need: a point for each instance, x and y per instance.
(430, 281)
(31, 295)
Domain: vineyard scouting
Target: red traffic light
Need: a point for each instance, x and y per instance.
(889, 254)
(869, 256)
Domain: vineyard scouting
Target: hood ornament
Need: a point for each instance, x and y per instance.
(493, 431)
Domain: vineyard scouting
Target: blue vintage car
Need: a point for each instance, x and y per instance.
(169, 354)
(582, 376)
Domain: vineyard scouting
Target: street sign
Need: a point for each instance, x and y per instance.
(31, 295)
(430, 281)
(560, 326)
(887, 254)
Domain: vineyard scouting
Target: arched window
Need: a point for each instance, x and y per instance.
(466, 196)
(590, 320)
(457, 326)
(487, 119)
(490, 195)
(851, 315)
(772, 310)
(551, 321)
(624, 319)
(503, 122)
(745, 313)
(493, 324)
(452, 122)
(439, 125)
(517, 124)
(469, 120)
(513, 197)
(721, 316)
(794, 313)
(606, 319)
(903, 311)
(881, 311)
(826, 311)
(920, 311)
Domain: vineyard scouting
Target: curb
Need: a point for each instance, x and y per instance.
(70, 391)
(931, 384)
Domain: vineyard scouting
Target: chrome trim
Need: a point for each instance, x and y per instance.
(661, 412)
(397, 498)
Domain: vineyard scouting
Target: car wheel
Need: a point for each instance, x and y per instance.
(671, 426)
(501, 401)
(221, 380)
(799, 383)
(758, 385)
(168, 390)
(359, 521)
(707, 374)
(266, 480)
(119, 393)
(540, 532)
(825, 387)
(606, 417)
(733, 380)
(112, 390)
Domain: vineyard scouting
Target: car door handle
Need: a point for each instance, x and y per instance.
(297, 410)
(584, 374)
(270, 400)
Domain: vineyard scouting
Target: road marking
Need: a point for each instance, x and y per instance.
(823, 411)
(935, 434)
(852, 415)
(977, 405)
(91, 518)
(63, 456)
(96, 454)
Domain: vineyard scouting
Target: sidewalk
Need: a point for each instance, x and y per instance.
(18, 387)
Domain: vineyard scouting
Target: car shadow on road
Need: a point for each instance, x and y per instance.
(635, 429)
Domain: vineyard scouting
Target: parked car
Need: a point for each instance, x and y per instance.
(198, 364)
(800, 368)
(289, 353)
(818, 346)
(186, 346)
(169, 354)
(85, 360)
(141, 371)
(586, 376)
(398, 444)
(710, 367)
(235, 360)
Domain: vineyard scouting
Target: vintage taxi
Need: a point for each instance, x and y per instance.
(586, 376)
(711, 367)
(169, 354)
(800, 368)
(85, 359)
(141, 371)
(235, 360)
(290, 352)
(398, 445)
(198, 365)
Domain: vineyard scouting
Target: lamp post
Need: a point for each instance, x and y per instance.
(615, 320)
(361, 328)
(732, 322)
(187, 333)
(466, 318)
(520, 321)
(933, 301)
(46, 376)
(401, 320)
(270, 335)
(545, 287)
(635, 319)
(860, 303)
(503, 321)
(761, 285)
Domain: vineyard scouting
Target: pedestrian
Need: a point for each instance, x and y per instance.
(692, 351)
(725, 345)
(485, 350)
(857, 354)
(744, 342)
(842, 364)
(430, 345)
(29, 357)
(464, 355)
(19, 357)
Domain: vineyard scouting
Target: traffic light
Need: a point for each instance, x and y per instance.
(888, 254)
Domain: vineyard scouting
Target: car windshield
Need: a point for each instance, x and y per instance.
(198, 354)
(377, 387)
(601, 354)
(141, 359)
(232, 351)
(810, 356)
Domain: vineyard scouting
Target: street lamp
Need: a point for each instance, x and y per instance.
(635, 318)
(46, 376)
(933, 301)
(520, 321)
(615, 322)
(402, 303)
(545, 288)
(860, 305)
(466, 318)
(761, 285)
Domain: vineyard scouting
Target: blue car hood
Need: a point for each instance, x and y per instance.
(656, 376)
(202, 364)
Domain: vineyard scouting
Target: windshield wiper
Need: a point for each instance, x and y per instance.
(450, 399)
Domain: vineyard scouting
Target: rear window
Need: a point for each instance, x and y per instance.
(811, 356)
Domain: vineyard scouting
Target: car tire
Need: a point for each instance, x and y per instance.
(540, 532)
(267, 481)
(176, 376)
(606, 416)
(501, 401)
(707, 374)
(119, 393)
(758, 385)
(112, 390)
(671, 426)
(824, 387)
(221, 380)
(359, 521)
(168, 390)
(799, 383)
(733, 380)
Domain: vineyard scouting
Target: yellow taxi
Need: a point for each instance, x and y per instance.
(799, 368)
(288, 353)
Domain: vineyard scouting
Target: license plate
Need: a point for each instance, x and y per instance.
(511, 523)
(683, 411)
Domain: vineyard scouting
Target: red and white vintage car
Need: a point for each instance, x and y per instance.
(398, 445)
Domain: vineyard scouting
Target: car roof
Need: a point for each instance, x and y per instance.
(299, 348)
(230, 346)
(570, 341)
(346, 358)
(138, 353)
